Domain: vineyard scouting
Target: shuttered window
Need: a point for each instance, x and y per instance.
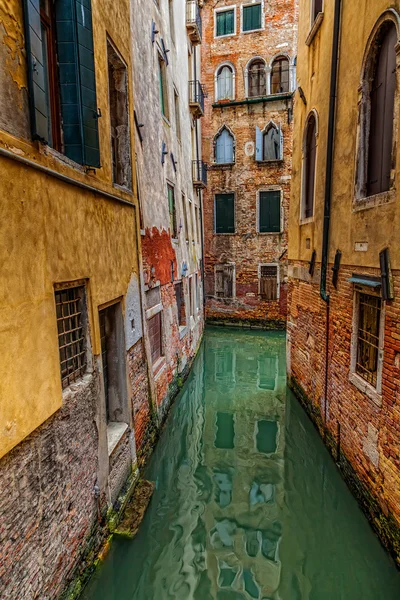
(180, 303)
(225, 22)
(317, 8)
(155, 337)
(224, 281)
(172, 211)
(309, 167)
(224, 213)
(382, 114)
(224, 148)
(269, 282)
(269, 216)
(256, 79)
(280, 76)
(272, 144)
(252, 17)
(225, 83)
(65, 87)
(162, 81)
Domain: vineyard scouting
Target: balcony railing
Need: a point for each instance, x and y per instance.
(199, 173)
(193, 21)
(196, 98)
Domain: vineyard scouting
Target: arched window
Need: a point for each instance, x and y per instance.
(310, 155)
(224, 147)
(256, 79)
(225, 83)
(280, 76)
(269, 143)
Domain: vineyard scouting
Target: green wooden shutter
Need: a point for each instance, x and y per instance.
(36, 71)
(270, 212)
(224, 213)
(77, 81)
(251, 17)
(225, 22)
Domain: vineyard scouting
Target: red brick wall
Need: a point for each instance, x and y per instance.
(137, 366)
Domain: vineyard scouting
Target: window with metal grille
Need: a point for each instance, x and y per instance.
(310, 154)
(224, 275)
(256, 79)
(225, 213)
(269, 212)
(280, 76)
(368, 336)
(269, 282)
(225, 22)
(172, 211)
(252, 17)
(180, 303)
(155, 336)
(70, 307)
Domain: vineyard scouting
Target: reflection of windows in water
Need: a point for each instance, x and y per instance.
(267, 433)
(223, 533)
(250, 584)
(261, 493)
(223, 491)
(225, 434)
(226, 574)
(270, 543)
(225, 366)
(253, 542)
(267, 372)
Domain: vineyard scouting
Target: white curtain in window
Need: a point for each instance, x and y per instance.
(272, 144)
(224, 148)
(225, 84)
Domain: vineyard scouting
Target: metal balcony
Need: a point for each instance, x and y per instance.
(193, 21)
(199, 173)
(196, 99)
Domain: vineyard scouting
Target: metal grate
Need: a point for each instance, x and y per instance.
(368, 337)
(71, 334)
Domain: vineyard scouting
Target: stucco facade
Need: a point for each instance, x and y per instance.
(352, 394)
(248, 247)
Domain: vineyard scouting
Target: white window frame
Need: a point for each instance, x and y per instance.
(226, 264)
(278, 278)
(219, 68)
(315, 24)
(302, 218)
(215, 140)
(242, 6)
(234, 216)
(375, 394)
(272, 188)
(220, 10)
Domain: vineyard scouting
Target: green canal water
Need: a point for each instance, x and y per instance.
(248, 502)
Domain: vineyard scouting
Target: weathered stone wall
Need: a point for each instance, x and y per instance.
(141, 405)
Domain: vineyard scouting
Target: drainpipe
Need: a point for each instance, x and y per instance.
(328, 183)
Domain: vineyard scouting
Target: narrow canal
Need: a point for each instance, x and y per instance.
(248, 503)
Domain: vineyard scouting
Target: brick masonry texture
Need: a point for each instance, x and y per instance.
(363, 433)
(137, 366)
(246, 248)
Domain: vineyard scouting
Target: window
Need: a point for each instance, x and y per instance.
(225, 213)
(225, 83)
(180, 303)
(269, 143)
(225, 22)
(71, 327)
(368, 337)
(269, 211)
(280, 76)
(185, 219)
(224, 147)
(171, 19)
(266, 438)
(113, 361)
(61, 78)
(225, 434)
(252, 17)
(224, 277)
(317, 7)
(191, 296)
(196, 212)
(269, 284)
(177, 116)
(256, 79)
(197, 292)
(310, 154)
(119, 119)
(155, 337)
(162, 74)
(172, 211)
(267, 372)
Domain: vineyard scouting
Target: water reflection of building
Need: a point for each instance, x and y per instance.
(243, 450)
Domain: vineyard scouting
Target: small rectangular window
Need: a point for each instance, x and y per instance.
(71, 327)
(269, 212)
(180, 303)
(224, 275)
(269, 282)
(155, 336)
(177, 116)
(185, 217)
(113, 360)
(252, 17)
(162, 74)
(368, 337)
(225, 22)
(225, 431)
(225, 213)
(196, 212)
(191, 296)
(153, 297)
(172, 211)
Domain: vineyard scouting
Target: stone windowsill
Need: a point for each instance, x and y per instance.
(150, 312)
(315, 26)
(115, 433)
(381, 199)
(366, 388)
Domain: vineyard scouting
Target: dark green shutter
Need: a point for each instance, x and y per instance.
(36, 71)
(251, 17)
(224, 213)
(225, 22)
(270, 212)
(77, 81)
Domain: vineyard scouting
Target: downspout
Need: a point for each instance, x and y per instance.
(328, 187)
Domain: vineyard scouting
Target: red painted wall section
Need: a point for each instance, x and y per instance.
(158, 252)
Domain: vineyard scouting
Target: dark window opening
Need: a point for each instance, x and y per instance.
(225, 435)
(180, 303)
(256, 79)
(224, 275)
(51, 75)
(317, 8)
(162, 74)
(224, 213)
(272, 144)
(269, 282)
(266, 439)
(177, 116)
(252, 17)
(172, 211)
(368, 333)
(119, 118)
(269, 212)
(113, 362)
(71, 328)
(309, 171)
(225, 22)
(280, 76)
(155, 335)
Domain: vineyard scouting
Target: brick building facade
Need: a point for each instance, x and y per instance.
(249, 71)
(344, 279)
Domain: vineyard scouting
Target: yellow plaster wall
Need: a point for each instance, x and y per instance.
(51, 232)
(377, 225)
